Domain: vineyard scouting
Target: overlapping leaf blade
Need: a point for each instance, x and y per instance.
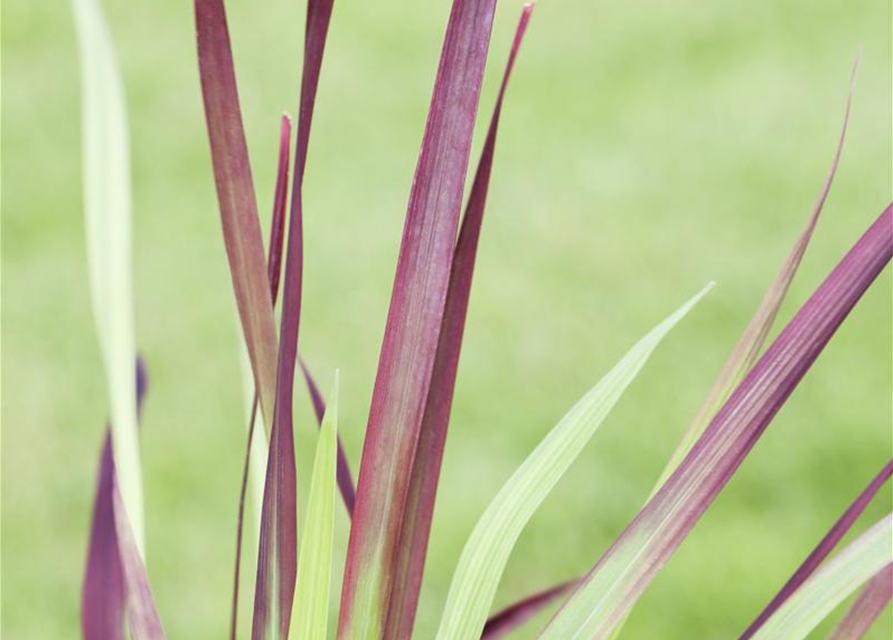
(414, 323)
(745, 353)
(867, 607)
(825, 546)
(513, 616)
(836, 580)
(485, 554)
(256, 449)
(277, 553)
(311, 609)
(740, 361)
(625, 570)
(107, 208)
(425, 473)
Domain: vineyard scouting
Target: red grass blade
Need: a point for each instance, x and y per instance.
(416, 518)
(622, 574)
(115, 579)
(104, 597)
(142, 615)
(278, 535)
(414, 321)
(827, 544)
(867, 607)
(507, 620)
(274, 261)
(235, 193)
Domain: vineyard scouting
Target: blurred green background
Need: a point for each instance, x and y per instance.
(645, 149)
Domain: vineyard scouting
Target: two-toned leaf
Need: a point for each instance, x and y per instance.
(414, 323)
(611, 588)
(425, 473)
(833, 583)
(870, 603)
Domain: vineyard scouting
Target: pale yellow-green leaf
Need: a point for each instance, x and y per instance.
(107, 205)
(309, 618)
(488, 548)
(831, 584)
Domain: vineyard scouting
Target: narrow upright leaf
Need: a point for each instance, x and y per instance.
(487, 551)
(625, 570)
(416, 518)
(276, 558)
(825, 546)
(107, 206)
(831, 585)
(414, 323)
(311, 610)
(256, 449)
(235, 193)
(867, 607)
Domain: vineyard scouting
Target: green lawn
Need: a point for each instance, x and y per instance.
(645, 149)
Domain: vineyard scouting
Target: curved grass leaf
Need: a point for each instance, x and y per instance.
(107, 207)
(818, 596)
(825, 546)
(416, 518)
(485, 554)
(867, 607)
(414, 323)
(745, 353)
(311, 609)
(617, 580)
(104, 596)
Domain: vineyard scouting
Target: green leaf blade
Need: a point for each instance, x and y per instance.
(107, 207)
(311, 608)
(488, 548)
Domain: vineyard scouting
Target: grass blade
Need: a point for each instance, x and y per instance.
(235, 193)
(311, 610)
(107, 207)
(414, 322)
(825, 546)
(277, 561)
(831, 585)
(488, 548)
(416, 523)
(745, 353)
(257, 447)
(513, 616)
(868, 606)
(625, 570)
(104, 595)
(754, 337)
(345, 479)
